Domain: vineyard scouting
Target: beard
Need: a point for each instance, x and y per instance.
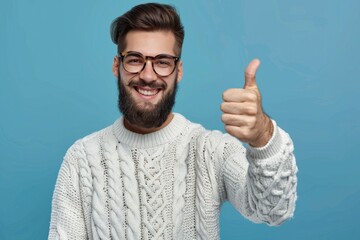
(145, 115)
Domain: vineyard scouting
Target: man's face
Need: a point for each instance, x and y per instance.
(145, 98)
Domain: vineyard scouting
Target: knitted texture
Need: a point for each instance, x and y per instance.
(170, 184)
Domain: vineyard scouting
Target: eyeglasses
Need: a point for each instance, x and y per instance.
(162, 64)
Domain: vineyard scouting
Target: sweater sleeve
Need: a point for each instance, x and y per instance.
(67, 218)
(261, 183)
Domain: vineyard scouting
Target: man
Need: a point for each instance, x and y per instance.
(155, 175)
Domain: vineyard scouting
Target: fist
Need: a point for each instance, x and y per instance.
(242, 111)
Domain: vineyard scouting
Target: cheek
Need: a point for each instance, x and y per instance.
(123, 76)
(171, 84)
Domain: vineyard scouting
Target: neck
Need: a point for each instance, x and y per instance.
(141, 130)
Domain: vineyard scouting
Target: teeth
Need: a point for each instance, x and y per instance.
(147, 92)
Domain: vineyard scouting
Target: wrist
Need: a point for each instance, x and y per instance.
(265, 135)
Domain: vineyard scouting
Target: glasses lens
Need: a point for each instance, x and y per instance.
(133, 63)
(164, 65)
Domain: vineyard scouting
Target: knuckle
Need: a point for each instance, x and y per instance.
(226, 94)
(229, 130)
(249, 75)
(253, 97)
(246, 133)
(223, 118)
(222, 106)
(252, 121)
(231, 94)
(232, 131)
(252, 110)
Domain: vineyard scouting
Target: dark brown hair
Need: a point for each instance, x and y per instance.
(148, 17)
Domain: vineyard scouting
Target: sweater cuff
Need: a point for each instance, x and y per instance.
(273, 147)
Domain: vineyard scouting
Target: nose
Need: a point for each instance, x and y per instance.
(148, 73)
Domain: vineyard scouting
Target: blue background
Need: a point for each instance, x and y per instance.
(57, 86)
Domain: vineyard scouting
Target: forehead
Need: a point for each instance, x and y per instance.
(150, 43)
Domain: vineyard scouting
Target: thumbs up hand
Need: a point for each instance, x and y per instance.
(242, 111)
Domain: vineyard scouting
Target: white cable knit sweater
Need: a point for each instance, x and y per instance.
(170, 184)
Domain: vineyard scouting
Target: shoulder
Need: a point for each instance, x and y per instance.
(95, 136)
(186, 123)
(81, 147)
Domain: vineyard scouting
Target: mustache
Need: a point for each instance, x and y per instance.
(153, 84)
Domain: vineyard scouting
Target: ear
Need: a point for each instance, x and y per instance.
(115, 66)
(180, 71)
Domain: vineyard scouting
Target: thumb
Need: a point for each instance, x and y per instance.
(250, 73)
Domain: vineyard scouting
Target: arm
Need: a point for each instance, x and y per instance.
(67, 218)
(263, 186)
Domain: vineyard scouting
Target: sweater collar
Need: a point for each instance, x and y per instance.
(160, 137)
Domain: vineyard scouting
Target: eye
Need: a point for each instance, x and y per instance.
(134, 60)
(164, 62)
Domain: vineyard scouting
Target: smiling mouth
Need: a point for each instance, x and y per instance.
(147, 92)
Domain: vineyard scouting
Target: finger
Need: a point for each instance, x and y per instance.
(237, 120)
(250, 73)
(239, 95)
(239, 108)
(242, 133)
